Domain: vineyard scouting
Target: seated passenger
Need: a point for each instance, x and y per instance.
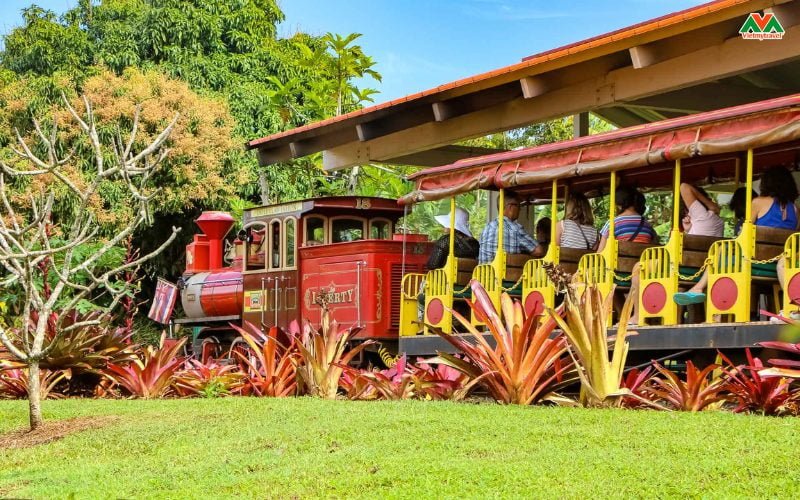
(775, 207)
(466, 246)
(543, 228)
(630, 224)
(703, 217)
(577, 229)
(515, 239)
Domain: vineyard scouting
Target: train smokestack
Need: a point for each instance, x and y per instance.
(215, 225)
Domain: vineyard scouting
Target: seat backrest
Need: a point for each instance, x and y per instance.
(568, 258)
(770, 241)
(514, 264)
(464, 268)
(628, 254)
(695, 249)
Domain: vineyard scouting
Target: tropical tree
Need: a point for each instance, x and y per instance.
(36, 241)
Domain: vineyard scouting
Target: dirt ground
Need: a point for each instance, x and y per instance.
(51, 430)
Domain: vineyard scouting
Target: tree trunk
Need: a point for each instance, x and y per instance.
(34, 395)
(263, 185)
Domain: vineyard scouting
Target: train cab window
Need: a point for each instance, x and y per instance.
(315, 231)
(380, 229)
(255, 239)
(346, 229)
(275, 244)
(289, 245)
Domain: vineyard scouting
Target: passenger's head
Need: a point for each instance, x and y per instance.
(579, 209)
(777, 182)
(640, 203)
(738, 202)
(627, 198)
(543, 230)
(511, 206)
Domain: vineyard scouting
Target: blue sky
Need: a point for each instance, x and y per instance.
(420, 44)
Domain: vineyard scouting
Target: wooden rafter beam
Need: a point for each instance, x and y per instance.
(729, 58)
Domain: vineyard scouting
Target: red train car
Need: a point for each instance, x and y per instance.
(291, 257)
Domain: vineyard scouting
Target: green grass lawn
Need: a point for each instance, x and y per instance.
(306, 447)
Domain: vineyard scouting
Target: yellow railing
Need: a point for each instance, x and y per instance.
(729, 276)
(487, 276)
(658, 282)
(438, 301)
(409, 304)
(537, 289)
(791, 273)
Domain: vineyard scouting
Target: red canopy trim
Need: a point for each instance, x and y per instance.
(723, 131)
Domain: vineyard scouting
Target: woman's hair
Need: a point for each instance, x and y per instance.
(579, 209)
(777, 182)
(628, 197)
(640, 204)
(738, 202)
(543, 228)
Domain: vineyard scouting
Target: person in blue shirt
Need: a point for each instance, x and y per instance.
(515, 239)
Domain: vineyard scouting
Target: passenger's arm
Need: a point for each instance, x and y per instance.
(757, 206)
(687, 194)
(560, 231)
(602, 245)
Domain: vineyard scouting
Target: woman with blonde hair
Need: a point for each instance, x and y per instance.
(577, 229)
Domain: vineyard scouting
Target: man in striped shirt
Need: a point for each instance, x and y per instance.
(515, 239)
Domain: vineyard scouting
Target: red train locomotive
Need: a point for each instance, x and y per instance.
(287, 258)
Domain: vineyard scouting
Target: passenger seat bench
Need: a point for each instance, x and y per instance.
(464, 268)
(628, 255)
(769, 243)
(568, 258)
(694, 254)
(514, 266)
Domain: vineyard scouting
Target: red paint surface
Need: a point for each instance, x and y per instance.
(654, 298)
(724, 293)
(221, 294)
(534, 304)
(793, 289)
(435, 311)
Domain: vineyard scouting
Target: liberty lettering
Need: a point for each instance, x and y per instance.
(331, 297)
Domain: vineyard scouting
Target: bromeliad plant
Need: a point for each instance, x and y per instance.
(586, 328)
(270, 362)
(528, 363)
(782, 367)
(14, 383)
(152, 371)
(209, 379)
(754, 392)
(324, 354)
(698, 392)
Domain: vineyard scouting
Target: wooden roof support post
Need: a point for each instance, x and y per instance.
(642, 56)
(580, 124)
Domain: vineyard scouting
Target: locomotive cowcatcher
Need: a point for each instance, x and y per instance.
(290, 257)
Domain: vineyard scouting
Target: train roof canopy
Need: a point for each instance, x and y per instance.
(687, 62)
(713, 139)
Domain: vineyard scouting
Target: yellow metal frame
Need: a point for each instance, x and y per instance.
(491, 275)
(731, 259)
(534, 277)
(598, 268)
(662, 264)
(439, 283)
(791, 269)
(409, 305)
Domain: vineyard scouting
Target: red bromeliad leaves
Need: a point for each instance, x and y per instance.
(696, 393)
(526, 365)
(782, 367)
(208, 379)
(151, 372)
(636, 381)
(405, 380)
(754, 392)
(14, 383)
(269, 365)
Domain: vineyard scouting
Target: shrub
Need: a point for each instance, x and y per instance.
(696, 393)
(753, 392)
(323, 356)
(152, 371)
(527, 364)
(14, 383)
(208, 380)
(269, 364)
